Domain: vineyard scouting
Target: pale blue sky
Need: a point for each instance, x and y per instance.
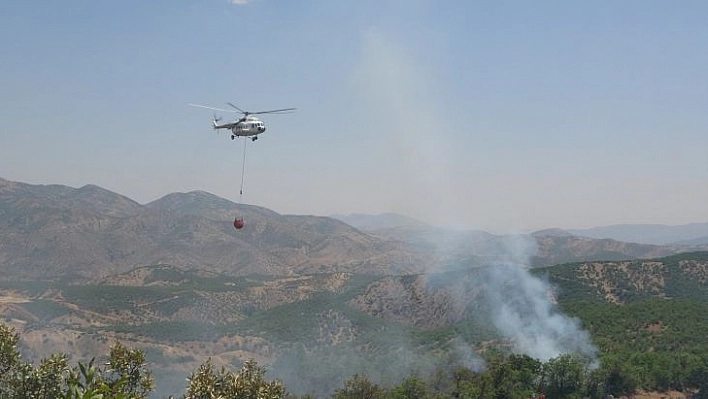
(499, 115)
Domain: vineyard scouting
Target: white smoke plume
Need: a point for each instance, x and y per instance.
(467, 357)
(518, 304)
(412, 145)
(521, 309)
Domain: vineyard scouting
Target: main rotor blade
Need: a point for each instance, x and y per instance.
(215, 109)
(273, 111)
(242, 111)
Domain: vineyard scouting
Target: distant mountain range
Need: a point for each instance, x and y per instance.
(365, 221)
(545, 247)
(654, 234)
(59, 232)
(657, 234)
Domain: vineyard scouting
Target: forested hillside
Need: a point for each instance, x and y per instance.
(329, 333)
(649, 317)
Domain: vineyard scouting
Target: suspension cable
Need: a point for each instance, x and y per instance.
(243, 168)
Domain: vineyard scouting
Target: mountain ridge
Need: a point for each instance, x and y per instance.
(657, 234)
(59, 232)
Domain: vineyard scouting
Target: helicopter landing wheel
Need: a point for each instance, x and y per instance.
(254, 138)
(233, 137)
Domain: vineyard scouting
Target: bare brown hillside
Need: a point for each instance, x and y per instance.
(57, 232)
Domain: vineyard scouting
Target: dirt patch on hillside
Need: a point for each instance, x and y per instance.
(10, 297)
(656, 327)
(659, 395)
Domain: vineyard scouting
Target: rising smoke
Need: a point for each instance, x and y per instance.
(522, 308)
(501, 300)
(500, 291)
(518, 304)
(522, 311)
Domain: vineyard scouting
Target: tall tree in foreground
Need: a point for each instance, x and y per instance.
(249, 383)
(22, 380)
(125, 376)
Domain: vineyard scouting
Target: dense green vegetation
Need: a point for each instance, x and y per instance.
(649, 325)
(674, 280)
(45, 310)
(172, 331)
(655, 338)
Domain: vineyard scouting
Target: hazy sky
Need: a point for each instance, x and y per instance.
(498, 115)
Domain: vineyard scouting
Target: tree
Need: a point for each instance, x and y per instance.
(125, 375)
(621, 377)
(126, 372)
(9, 356)
(410, 388)
(699, 380)
(248, 383)
(85, 382)
(9, 361)
(564, 377)
(46, 381)
(359, 387)
(21, 380)
(515, 377)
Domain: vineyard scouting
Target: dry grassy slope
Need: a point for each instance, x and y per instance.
(164, 293)
(57, 232)
(264, 293)
(83, 332)
(413, 300)
(147, 297)
(556, 249)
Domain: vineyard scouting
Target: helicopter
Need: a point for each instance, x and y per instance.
(246, 126)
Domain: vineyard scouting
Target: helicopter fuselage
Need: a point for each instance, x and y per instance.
(244, 127)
